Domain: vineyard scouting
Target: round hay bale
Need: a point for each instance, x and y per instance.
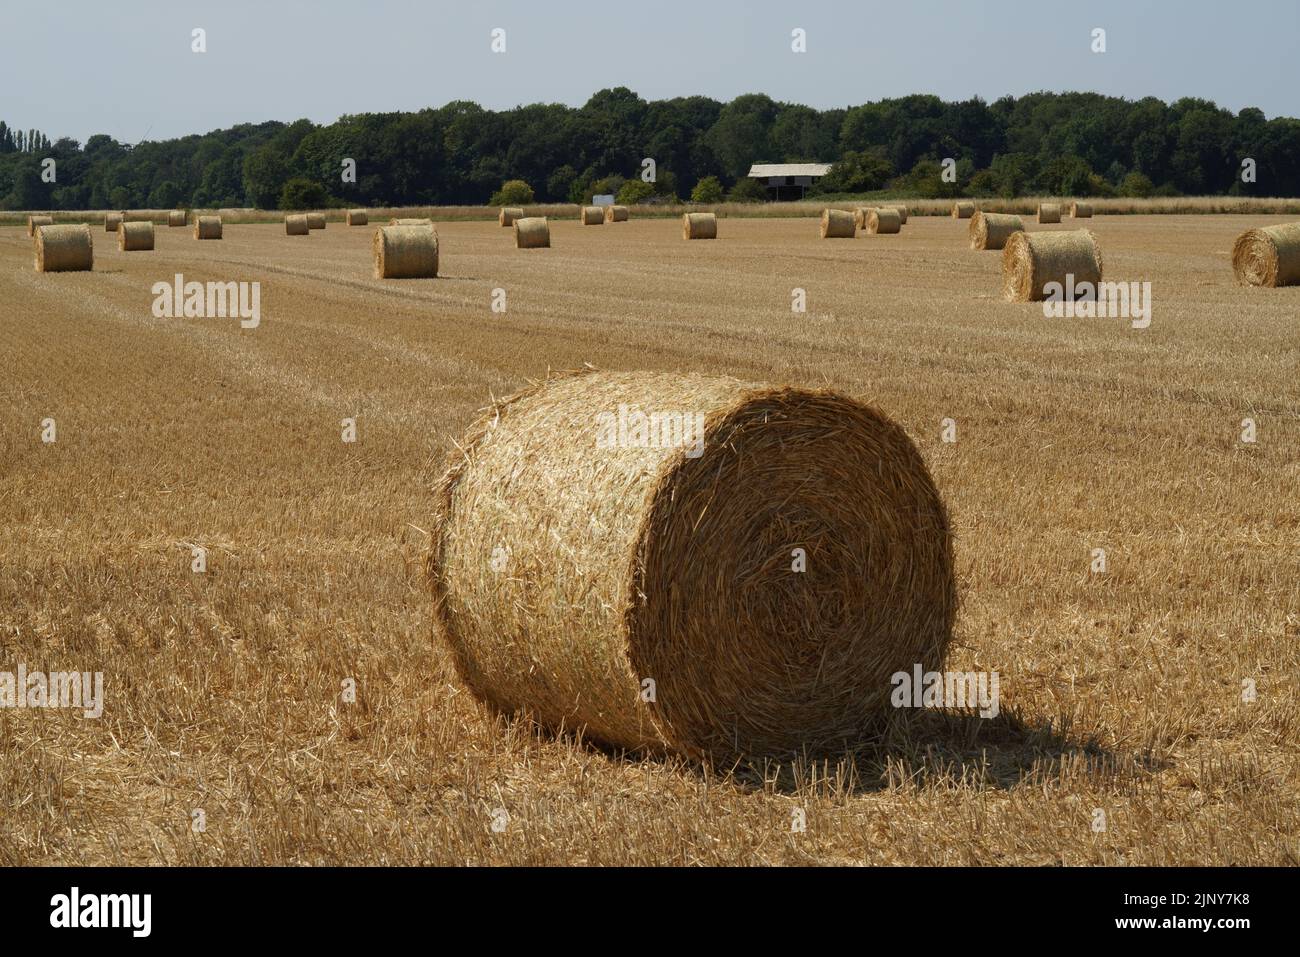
(838, 224)
(410, 222)
(112, 221)
(860, 216)
(591, 216)
(1268, 256)
(406, 252)
(992, 230)
(532, 232)
(1049, 212)
(902, 212)
(570, 566)
(1080, 210)
(884, 220)
(1032, 260)
(38, 220)
(509, 214)
(315, 220)
(64, 248)
(207, 227)
(699, 226)
(135, 236)
(964, 209)
(358, 217)
(616, 214)
(177, 217)
(295, 224)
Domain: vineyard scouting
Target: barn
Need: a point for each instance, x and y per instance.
(788, 180)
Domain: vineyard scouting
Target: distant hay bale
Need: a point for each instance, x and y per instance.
(177, 217)
(207, 227)
(37, 220)
(358, 217)
(509, 214)
(406, 252)
(295, 224)
(838, 224)
(1032, 260)
(64, 248)
(860, 216)
(1080, 210)
(315, 220)
(1049, 212)
(1268, 256)
(112, 221)
(575, 563)
(410, 222)
(532, 232)
(591, 216)
(992, 230)
(135, 236)
(137, 216)
(699, 226)
(883, 220)
(616, 214)
(963, 209)
(902, 212)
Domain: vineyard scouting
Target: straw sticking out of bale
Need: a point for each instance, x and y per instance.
(509, 214)
(64, 248)
(902, 212)
(207, 227)
(1081, 210)
(1268, 256)
(112, 221)
(882, 220)
(838, 224)
(580, 551)
(1049, 212)
(532, 232)
(992, 230)
(963, 209)
(699, 226)
(591, 216)
(295, 224)
(406, 252)
(616, 214)
(176, 217)
(34, 221)
(410, 222)
(315, 220)
(135, 236)
(1032, 260)
(358, 217)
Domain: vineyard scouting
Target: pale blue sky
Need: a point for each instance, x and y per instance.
(125, 68)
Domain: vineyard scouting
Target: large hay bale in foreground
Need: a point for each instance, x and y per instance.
(1080, 210)
(207, 227)
(112, 221)
(902, 212)
(64, 248)
(616, 214)
(1032, 260)
(532, 232)
(964, 209)
(38, 220)
(575, 567)
(992, 230)
(135, 236)
(177, 217)
(410, 221)
(295, 224)
(1049, 212)
(883, 220)
(838, 224)
(509, 214)
(406, 252)
(358, 217)
(591, 216)
(1268, 256)
(699, 226)
(315, 220)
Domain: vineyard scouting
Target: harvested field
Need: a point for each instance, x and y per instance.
(1120, 690)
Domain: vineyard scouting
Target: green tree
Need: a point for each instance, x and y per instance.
(266, 170)
(513, 192)
(707, 190)
(748, 190)
(165, 195)
(634, 191)
(303, 193)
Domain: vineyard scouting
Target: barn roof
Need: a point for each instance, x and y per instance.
(789, 169)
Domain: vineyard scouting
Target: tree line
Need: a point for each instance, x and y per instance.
(1080, 144)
